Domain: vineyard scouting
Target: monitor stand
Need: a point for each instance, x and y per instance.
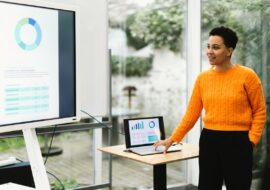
(35, 158)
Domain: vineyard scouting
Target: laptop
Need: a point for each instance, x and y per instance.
(142, 133)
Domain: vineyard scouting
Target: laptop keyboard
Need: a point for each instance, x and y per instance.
(146, 149)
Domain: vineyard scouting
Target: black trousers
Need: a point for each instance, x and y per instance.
(225, 157)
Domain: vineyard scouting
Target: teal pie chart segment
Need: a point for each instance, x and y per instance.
(35, 25)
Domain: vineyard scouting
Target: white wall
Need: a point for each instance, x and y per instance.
(94, 70)
(94, 56)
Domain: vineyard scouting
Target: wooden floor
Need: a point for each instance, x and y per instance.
(76, 163)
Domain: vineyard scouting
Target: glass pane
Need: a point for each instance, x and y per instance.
(250, 19)
(146, 39)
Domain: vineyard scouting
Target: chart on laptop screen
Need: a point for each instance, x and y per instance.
(144, 131)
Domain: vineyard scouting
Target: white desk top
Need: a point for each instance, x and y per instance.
(13, 186)
(188, 151)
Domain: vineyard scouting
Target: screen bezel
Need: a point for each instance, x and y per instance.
(127, 131)
(52, 121)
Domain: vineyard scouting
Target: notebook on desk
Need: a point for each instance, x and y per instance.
(142, 133)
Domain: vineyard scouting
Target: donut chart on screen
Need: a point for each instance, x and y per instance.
(37, 28)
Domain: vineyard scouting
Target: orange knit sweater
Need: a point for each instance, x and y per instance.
(232, 99)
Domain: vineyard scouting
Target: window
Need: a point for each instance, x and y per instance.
(147, 42)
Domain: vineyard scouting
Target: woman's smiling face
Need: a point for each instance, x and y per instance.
(217, 52)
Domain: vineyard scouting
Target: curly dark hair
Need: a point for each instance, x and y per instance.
(229, 36)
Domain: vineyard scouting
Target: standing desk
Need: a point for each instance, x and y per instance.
(158, 161)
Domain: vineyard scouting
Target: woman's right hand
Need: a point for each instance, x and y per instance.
(166, 143)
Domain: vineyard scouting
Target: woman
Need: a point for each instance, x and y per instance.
(232, 98)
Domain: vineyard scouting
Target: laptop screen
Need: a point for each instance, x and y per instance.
(143, 131)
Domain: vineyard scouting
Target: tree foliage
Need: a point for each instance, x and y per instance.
(134, 66)
(245, 18)
(160, 26)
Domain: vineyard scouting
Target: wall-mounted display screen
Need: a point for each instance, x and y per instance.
(38, 65)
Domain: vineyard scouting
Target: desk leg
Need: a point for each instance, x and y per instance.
(160, 177)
